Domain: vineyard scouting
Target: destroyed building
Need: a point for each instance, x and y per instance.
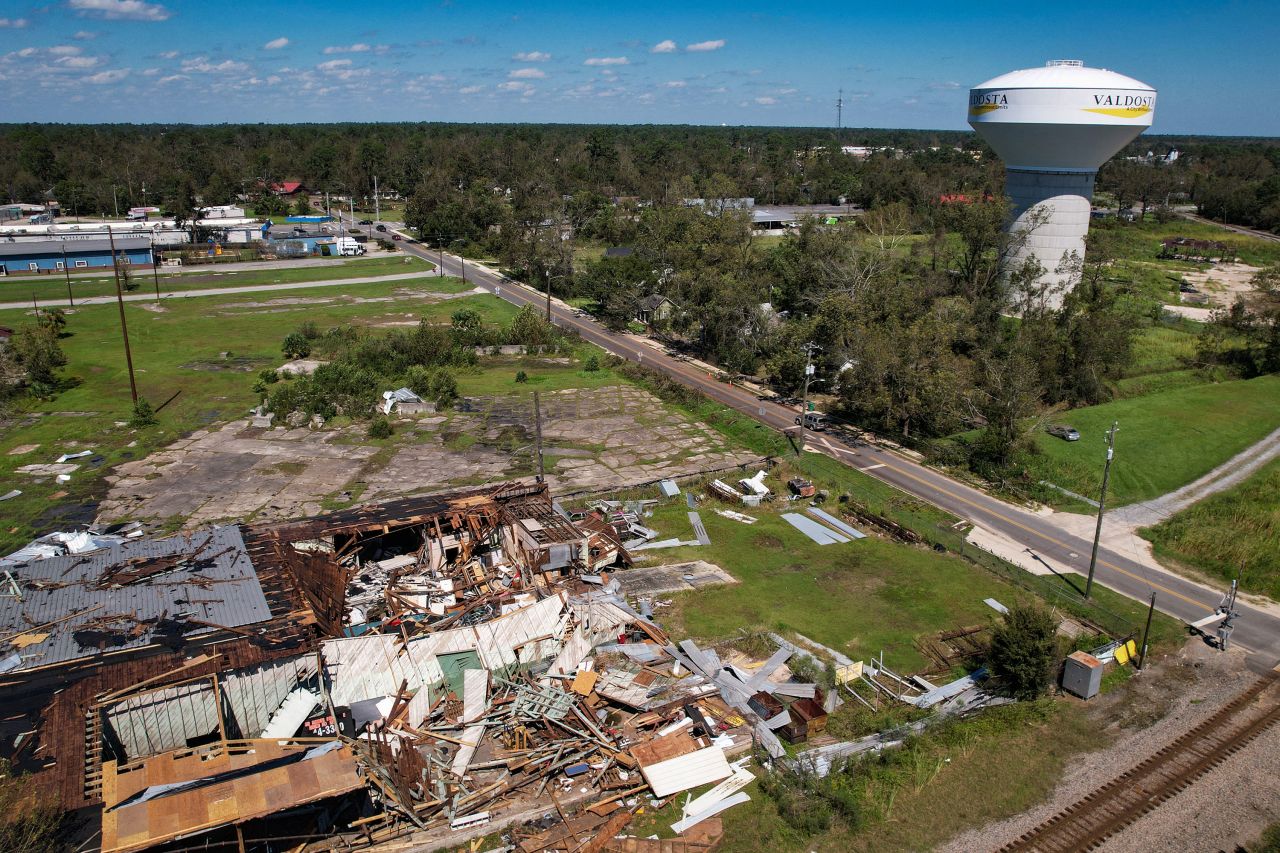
(117, 663)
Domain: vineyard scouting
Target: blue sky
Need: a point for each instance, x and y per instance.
(905, 64)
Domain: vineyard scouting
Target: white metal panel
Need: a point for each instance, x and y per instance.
(687, 771)
(475, 694)
(471, 737)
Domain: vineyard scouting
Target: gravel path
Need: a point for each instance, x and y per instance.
(1226, 475)
(1152, 710)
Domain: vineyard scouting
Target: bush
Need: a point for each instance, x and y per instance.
(521, 376)
(296, 345)
(592, 365)
(380, 427)
(442, 388)
(309, 330)
(143, 414)
(1024, 651)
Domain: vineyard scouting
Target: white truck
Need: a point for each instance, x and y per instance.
(348, 246)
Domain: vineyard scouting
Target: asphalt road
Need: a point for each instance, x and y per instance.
(1256, 630)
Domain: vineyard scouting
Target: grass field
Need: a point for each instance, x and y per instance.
(1234, 528)
(860, 598)
(54, 287)
(1166, 439)
(1141, 241)
(180, 370)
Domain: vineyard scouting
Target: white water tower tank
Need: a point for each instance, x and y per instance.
(1054, 127)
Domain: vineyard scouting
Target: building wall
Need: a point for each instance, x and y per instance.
(52, 261)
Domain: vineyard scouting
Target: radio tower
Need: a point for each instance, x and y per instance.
(839, 113)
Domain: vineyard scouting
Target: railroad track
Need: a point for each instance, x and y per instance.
(1087, 823)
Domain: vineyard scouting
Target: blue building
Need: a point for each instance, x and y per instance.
(52, 255)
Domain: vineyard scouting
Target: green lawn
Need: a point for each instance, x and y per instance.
(1166, 439)
(1240, 526)
(51, 287)
(177, 357)
(497, 375)
(860, 598)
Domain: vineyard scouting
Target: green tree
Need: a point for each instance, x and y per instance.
(302, 207)
(296, 345)
(37, 351)
(143, 415)
(1024, 651)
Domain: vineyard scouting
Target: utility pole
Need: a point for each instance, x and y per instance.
(548, 296)
(537, 436)
(115, 201)
(124, 329)
(1102, 503)
(839, 114)
(1142, 653)
(155, 269)
(804, 398)
(67, 272)
(377, 207)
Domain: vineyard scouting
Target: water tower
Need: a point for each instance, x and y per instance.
(1054, 127)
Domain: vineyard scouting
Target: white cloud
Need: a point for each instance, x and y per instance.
(151, 72)
(115, 75)
(65, 50)
(675, 84)
(358, 47)
(172, 78)
(470, 90)
(13, 23)
(276, 44)
(201, 65)
(169, 54)
(607, 60)
(121, 10)
(515, 86)
(766, 101)
(531, 56)
(704, 46)
(334, 65)
(528, 74)
(945, 85)
(78, 62)
(665, 46)
(85, 35)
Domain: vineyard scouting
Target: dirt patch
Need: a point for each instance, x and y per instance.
(238, 364)
(237, 472)
(1222, 283)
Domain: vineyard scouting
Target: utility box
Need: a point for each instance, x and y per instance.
(1082, 675)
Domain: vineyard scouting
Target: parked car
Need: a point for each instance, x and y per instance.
(365, 222)
(380, 227)
(395, 237)
(815, 421)
(1064, 432)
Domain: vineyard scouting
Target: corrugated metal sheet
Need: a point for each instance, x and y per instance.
(814, 530)
(851, 532)
(687, 771)
(217, 584)
(164, 719)
(253, 695)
